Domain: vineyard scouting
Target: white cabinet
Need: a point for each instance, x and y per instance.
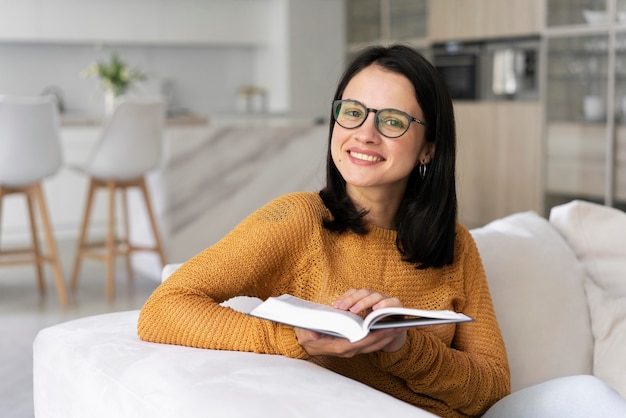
(224, 22)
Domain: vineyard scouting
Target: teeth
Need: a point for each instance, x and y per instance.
(365, 157)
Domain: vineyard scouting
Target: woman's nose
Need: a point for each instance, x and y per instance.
(368, 130)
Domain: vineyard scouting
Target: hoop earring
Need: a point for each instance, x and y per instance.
(422, 170)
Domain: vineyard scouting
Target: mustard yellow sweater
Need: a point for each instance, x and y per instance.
(450, 370)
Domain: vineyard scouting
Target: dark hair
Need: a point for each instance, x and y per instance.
(427, 215)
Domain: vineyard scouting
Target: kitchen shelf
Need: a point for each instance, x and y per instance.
(585, 156)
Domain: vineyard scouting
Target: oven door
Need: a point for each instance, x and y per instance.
(460, 72)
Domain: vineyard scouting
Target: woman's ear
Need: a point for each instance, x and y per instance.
(427, 153)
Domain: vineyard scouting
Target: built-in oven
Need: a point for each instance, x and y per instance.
(460, 66)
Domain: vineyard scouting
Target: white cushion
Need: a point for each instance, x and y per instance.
(97, 367)
(598, 236)
(168, 269)
(536, 284)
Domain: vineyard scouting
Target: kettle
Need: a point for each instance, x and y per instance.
(58, 96)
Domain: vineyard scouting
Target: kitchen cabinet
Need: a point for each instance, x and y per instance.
(457, 20)
(499, 158)
(585, 117)
(385, 21)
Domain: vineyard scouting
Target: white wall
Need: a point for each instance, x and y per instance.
(304, 56)
(206, 78)
(316, 54)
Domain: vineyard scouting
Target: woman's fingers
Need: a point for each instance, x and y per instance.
(364, 300)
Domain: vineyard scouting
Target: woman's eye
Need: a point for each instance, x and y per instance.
(353, 113)
(394, 123)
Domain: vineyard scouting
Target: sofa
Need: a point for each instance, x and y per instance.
(559, 290)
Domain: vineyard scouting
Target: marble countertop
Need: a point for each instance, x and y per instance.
(83, 120)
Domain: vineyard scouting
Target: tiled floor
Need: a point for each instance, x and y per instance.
(23, 312)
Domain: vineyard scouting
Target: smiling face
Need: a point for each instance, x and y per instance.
(366, 159)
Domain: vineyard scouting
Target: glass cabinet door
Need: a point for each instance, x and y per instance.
(620, 117)
(364, 21)
(407, 19)
(576, 117)
(576, 12)
(621, 12)
(372, 21)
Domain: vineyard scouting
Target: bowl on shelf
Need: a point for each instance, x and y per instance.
(595, 17)
(594, 108)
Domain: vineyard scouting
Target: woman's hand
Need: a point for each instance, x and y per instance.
(357, 301)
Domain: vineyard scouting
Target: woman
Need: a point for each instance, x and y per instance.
(383, 232)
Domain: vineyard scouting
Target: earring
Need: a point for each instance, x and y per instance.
(422, 170)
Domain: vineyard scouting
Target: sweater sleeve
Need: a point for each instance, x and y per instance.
(472, 373)
(253, 260)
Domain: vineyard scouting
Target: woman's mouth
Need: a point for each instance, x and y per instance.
(365, 157)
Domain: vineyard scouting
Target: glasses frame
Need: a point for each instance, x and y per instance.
(337, 102)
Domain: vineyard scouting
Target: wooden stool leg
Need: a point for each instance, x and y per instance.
(2, 193)
(110, 243)
(52, 248)
(81, 246)
(155, 230)
(31, 195)
(126, 240)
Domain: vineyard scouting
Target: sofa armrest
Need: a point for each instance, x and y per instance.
(98, 367)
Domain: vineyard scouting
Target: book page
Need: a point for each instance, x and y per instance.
(301, 313)
(408, 317)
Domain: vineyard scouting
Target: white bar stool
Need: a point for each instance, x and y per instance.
(130, 146)
(30, 151)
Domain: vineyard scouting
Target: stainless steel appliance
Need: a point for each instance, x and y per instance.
(491, 70)
(511, 70)
(459, 65)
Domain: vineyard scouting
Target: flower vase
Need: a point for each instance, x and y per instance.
(110, 100)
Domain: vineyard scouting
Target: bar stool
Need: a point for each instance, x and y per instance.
(30, 151)
(129, 147)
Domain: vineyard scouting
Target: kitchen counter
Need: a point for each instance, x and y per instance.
(69, 120)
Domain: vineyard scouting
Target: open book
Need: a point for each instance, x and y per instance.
(300, 313)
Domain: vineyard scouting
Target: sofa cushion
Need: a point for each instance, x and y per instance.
(598, 236)
(536, 284)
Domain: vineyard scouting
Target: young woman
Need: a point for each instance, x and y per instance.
(383, 232)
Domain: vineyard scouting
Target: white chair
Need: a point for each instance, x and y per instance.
(129, 147)
(30, 151)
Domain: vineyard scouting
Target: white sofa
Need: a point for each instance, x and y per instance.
(559, 289)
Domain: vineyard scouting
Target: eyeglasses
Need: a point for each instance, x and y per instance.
(392, 123)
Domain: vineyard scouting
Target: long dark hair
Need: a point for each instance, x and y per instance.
(427, 215)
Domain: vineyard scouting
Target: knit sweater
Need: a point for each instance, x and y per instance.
(453, 370)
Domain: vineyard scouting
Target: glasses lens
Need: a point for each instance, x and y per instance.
(349, 113)
(392, 123)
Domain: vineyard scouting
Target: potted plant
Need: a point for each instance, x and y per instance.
(116, 78)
